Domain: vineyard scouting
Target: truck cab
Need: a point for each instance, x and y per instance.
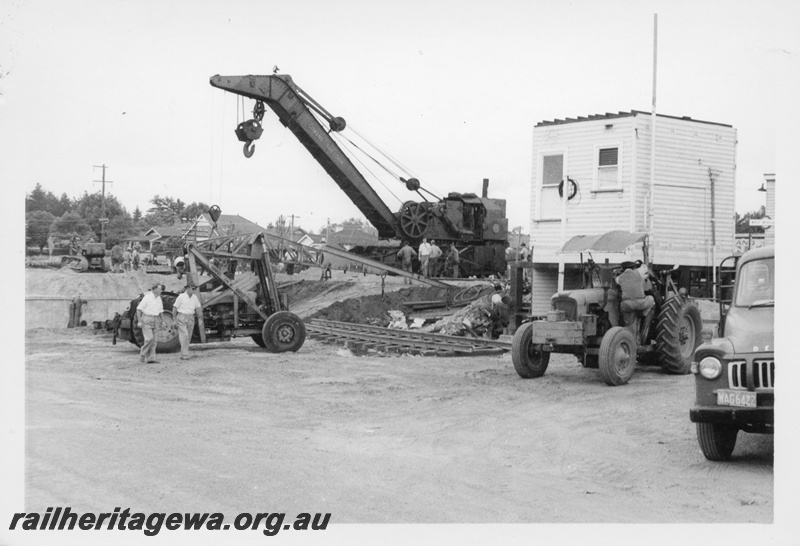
(735, 373)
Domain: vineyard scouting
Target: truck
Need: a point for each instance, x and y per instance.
(476, 225)
(239, 297)
(587, 321)
(735, 372)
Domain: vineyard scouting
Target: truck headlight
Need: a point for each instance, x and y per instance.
(710, 367)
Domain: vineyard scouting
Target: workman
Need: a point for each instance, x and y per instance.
(406, 256)
(523, 252)
(424, 256)
(452, 261)
(433, 260)
(148, 318)
(186, 307)
(126, 260)
(632, 283)
(135, 258)
(116, 258)
(179, 264)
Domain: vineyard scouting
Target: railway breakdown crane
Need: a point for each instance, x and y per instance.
(476, 225)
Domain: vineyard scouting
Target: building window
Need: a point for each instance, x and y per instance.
(552, 174)
(608, 173)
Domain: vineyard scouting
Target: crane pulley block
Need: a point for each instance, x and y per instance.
(248, 131)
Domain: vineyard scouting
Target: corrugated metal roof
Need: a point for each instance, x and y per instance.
(609, 115)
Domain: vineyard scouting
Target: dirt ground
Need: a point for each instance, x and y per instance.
(371, 439)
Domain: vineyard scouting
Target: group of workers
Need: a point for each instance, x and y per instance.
(431, 261)
(124, 260)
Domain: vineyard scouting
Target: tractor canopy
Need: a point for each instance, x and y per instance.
(612, 242)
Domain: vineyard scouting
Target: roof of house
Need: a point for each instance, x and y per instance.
(352, 236)
(176, 230)
(608, 115)
(227, 224)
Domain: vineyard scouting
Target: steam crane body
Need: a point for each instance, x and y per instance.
(476, 225)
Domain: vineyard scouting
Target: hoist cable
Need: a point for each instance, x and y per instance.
(389, 156)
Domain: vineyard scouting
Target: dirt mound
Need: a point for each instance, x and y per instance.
(67, 282)
(375, 309)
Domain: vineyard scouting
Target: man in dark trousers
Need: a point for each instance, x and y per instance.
(406, 256)
(632, 284)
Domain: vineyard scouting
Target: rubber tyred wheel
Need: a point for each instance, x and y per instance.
(167, 334)
(283, 331)
(716, 441)
(528, 358)
(617, 358)
(678, 334)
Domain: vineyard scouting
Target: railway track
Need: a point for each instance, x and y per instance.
(366, 338)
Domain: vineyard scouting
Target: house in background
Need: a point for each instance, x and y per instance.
(603, 163)
(227, 224)
(351, 237)
(159, 234)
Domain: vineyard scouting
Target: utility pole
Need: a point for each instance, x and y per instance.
(103, 219)
(291, 233)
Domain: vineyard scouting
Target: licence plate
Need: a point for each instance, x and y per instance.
(736, 398)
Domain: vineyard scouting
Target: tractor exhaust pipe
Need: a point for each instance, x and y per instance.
(485, 192)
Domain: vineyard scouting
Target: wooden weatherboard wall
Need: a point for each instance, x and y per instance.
(695, 160)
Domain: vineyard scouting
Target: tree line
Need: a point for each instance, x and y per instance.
(63, 218)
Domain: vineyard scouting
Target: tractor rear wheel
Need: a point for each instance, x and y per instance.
(716, 441)
(677, 334)
(617, 356)
(528, 358)
(283, 331)
(259, 339)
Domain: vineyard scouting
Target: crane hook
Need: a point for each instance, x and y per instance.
(249, 148)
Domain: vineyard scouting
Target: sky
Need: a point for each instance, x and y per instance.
(452, 89)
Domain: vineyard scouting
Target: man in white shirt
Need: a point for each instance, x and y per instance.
(424, 256)
(186, 306)
(433, 259)
(148, 316)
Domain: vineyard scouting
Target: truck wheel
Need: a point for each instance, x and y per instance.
(283, 331)
(528, 358)
(617, 358)
(677, 334)
(259, 339)
(167, 335)
(716, 441)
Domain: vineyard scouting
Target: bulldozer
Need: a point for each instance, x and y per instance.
(90, 256)
(589, 322)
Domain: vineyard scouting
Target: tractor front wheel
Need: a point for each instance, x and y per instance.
(617, 358)
(528, 358)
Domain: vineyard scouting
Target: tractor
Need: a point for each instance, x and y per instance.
(588, 322)
(88, 257)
